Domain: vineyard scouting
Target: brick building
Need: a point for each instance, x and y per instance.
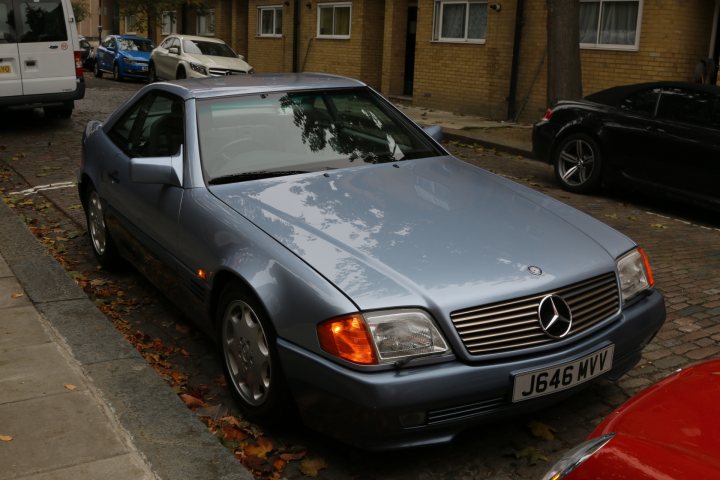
(470, 56)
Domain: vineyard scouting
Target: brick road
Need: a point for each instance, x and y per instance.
(683, 245)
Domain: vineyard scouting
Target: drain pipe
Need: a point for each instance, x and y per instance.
(515, 59)
(296, 35)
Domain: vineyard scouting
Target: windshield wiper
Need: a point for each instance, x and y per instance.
(245, 176)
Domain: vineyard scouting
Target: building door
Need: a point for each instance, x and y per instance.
(410, 49)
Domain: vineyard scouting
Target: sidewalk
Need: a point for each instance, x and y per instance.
(77, 401)
(515, 138)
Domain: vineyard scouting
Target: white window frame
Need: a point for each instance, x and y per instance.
(334, 6)
(275, 9)
(209, 17)
(610, 46)
(438, 21)
(171, 16)
(130, 21)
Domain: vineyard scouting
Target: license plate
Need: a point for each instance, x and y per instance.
(545, 381)
(5, 69)
(143, 68)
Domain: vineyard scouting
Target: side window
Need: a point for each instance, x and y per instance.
(686, 106)
(7, 22)
(153, 127)
(641, 102)
(42, 21)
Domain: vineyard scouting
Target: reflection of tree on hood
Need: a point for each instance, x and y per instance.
(319, 131)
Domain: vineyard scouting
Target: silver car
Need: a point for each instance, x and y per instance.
(346, 263)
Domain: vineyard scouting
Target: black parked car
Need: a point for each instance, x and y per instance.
(661, 137)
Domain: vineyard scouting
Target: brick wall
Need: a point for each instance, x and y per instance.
(270, 54)
(674, 36)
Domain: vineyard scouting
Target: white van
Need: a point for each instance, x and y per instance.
(40, 63)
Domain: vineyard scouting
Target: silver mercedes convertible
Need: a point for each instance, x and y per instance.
(349, 266)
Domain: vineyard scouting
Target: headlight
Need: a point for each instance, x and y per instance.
(575, 457)
(251, 71)
(381, 337)
(635, 273)
(129, 61)
(199, 68)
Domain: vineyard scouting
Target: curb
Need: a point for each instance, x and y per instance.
(173, 441)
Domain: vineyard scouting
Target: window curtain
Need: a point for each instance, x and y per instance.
(589, 21)
(453, 21)
(477, 21)
(342, 21)
(619, 23)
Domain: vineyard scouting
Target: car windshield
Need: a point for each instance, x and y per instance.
(283, 133)
(135, 45)
(215, 49)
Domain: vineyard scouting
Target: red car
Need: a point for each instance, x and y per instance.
(669, 431)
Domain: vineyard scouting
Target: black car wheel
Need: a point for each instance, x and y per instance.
(102, 243)
(250, 360)
(116, 73)
(152, 75)
(98, 72)
(578, 163)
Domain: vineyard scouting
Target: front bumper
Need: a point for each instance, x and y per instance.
(432, 404)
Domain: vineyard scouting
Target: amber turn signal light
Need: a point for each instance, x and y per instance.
(648, 270)
(347, 337)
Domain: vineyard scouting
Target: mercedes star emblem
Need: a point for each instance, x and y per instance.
(555, 317)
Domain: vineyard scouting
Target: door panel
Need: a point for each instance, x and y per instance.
(10, 74)
(47, 57)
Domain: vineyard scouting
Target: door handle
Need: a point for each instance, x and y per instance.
(53, 47)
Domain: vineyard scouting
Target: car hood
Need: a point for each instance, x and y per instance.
(434, 232)
(674, 419)
(211, 61)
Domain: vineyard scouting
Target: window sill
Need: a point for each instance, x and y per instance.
(459, 42)
(333, 37)
(269, 36)
(611, 48)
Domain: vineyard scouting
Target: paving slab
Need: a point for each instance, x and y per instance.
(123, 467)
(20, 327)
(71, 428)
(11, 295)
(34, 371)
(4, 269)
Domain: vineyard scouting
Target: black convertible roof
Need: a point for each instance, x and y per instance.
(613, 96)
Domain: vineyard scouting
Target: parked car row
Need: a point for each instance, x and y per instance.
(177, 57)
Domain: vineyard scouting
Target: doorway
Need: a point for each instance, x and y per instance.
(410, 49)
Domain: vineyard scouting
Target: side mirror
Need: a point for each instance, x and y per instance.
(158, 170)
(241, 57)
(435, 131)
(174, 50)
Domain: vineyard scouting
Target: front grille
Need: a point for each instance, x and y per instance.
(459, 412)
(221, 72)
(513, 325)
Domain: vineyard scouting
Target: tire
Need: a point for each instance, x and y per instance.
(181, 73)
(117, 76)
(98, 72)
(152, 75)
(578, 163)
(249, 356)
(102, 243)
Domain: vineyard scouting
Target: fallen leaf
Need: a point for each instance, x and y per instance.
(191, 401)
(310, 467)
(17, 295)
(233, 433)
(70, 387)
(178, 377)
(531, 454)
(540, 430)
(6, 438)
(658, 225)
(263, 447)
(279, 464)
(290, 456)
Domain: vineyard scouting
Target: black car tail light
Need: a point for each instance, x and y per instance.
(548, 114)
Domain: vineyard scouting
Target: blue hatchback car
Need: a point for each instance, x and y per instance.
(123, 56)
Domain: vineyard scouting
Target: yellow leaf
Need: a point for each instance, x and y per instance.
(540, 430)
(310, 467)
(658, 225)
(6, 438)
(263, 447)
(70, 387)
(17, 295)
